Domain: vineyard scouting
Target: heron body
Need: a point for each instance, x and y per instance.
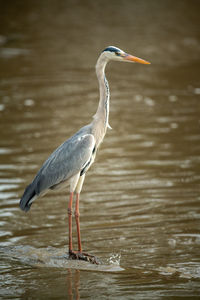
(68, 164)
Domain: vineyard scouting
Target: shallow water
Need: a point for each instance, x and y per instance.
(139, 207)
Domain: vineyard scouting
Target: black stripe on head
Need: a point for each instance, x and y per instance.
(111, 49)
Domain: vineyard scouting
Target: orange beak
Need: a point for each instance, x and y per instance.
(132, 58)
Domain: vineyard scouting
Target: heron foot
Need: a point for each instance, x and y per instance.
(83, 256)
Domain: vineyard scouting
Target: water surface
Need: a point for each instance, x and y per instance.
(139, 207)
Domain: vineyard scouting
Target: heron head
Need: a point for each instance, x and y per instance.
(114, 53)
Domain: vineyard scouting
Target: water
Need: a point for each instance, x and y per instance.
(140, 202)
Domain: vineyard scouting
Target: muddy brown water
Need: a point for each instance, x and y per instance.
(140, 205)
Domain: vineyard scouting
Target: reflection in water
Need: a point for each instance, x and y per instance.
(73, 283)
(140, 205)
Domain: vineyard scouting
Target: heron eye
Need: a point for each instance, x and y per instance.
(117, 53)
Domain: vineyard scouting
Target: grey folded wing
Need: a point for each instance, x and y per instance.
(66, 161)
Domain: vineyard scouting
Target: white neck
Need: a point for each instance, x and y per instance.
(102, 113)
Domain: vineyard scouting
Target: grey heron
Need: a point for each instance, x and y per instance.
(68, 164)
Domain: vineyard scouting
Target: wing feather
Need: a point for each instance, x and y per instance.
(66, 161)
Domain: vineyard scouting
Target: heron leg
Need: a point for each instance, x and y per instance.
(77, 254)
(77, 215)
(70, 220)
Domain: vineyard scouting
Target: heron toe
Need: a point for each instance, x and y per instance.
(84, 256)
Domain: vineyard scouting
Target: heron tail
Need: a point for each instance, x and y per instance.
(28, 197)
